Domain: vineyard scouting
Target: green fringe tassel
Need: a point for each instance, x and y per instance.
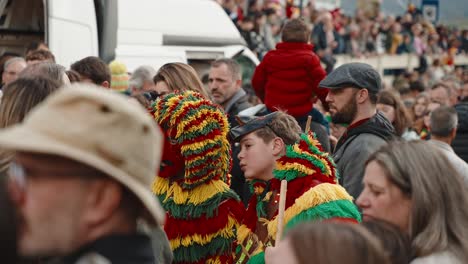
(217, 247)
(209, 208)
(339, 208)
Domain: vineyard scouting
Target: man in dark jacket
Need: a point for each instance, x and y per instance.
(225, 81)
(84, 162)
(352, 101)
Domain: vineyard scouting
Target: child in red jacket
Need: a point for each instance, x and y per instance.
(288, 77)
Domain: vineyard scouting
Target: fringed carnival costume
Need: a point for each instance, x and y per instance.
(203, 214)
(313, 194)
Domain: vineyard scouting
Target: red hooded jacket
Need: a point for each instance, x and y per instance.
(288, 78)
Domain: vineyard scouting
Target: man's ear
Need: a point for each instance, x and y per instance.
(239, 83)
(103, 200)
(453, 133)
(362, 96)
(278, 146)
(105, 84)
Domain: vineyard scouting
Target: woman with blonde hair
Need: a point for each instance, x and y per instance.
(328, 243)
(177, 76)
(414, 186)
(419, 109)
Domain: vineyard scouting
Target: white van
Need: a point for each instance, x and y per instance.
(136, 32)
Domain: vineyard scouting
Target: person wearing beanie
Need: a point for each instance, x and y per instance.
(273, 148)
(119, 76)
(203, 213)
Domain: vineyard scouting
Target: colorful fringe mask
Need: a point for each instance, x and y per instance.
(196, 133)
(203, 214)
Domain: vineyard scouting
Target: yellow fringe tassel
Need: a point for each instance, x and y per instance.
(242, 233)
(322, 193)
(226, 232)
(196, 196)
(294, 166)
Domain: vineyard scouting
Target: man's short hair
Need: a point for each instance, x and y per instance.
(141, 75)
(12, 61)
(232, 65)
(295, 30)
(443, 120)
(48, 69)
(94, 69)
(41, 55)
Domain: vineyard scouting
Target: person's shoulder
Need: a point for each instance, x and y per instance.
(367, 138)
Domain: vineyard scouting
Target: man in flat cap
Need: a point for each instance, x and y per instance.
(81, 176)
(352, 100)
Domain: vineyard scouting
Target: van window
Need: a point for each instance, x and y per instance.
(248, 68)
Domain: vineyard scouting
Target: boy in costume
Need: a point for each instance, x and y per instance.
(274, 149)
(202, 212)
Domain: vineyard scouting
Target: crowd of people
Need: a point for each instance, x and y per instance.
(361, 35)
(99, 165)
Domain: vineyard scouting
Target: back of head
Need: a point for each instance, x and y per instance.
(180, 77)
(335, 243)
(419, 170)
(20, 96)
(295, 30)
(141, 75)
(40, 55)
(50, 70)
(396, 244)
(444, 120)
(35, 45)
(94, 69)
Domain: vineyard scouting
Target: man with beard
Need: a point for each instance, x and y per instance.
(352, 101)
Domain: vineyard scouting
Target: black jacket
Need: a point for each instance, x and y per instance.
(460, 143)
(115, 249)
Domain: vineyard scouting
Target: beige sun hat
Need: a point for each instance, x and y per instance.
(99, 128)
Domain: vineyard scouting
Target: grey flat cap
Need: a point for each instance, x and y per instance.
(355, 74)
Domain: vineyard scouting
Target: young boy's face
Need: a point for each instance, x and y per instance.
(256, 158)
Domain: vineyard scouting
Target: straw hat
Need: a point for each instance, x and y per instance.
(99, 128)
